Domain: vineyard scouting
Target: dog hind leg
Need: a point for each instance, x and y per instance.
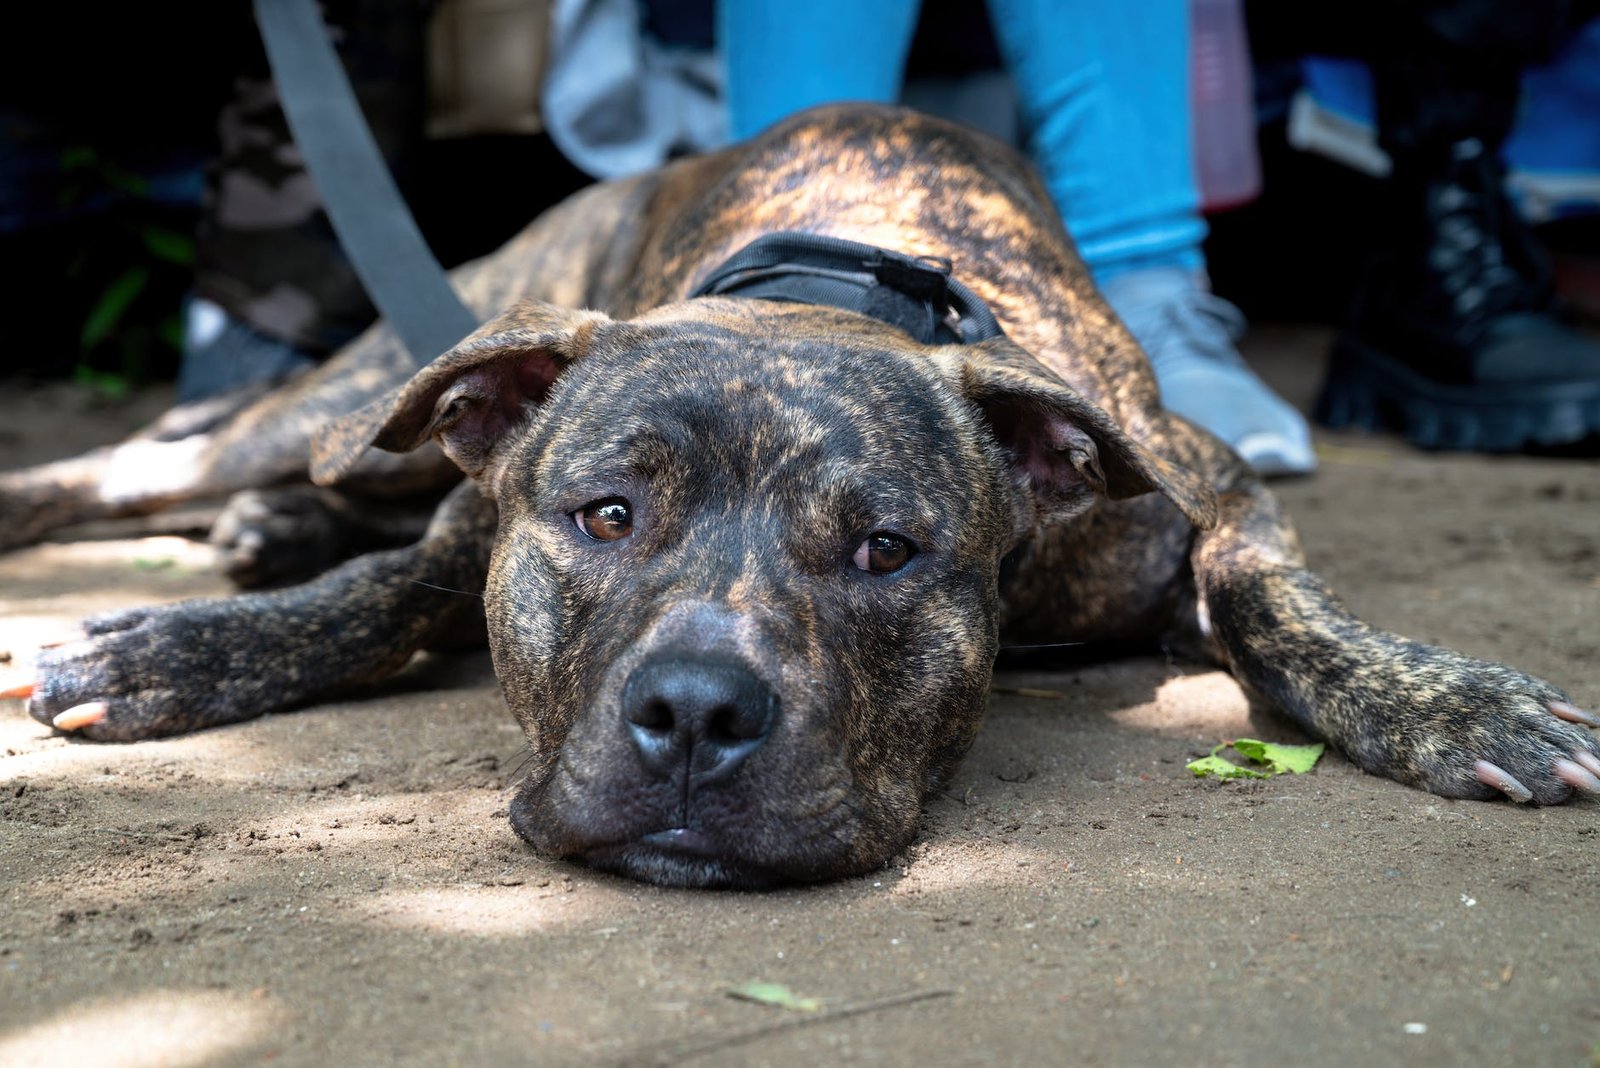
(576, 254)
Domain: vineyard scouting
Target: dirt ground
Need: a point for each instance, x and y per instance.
(340, 885)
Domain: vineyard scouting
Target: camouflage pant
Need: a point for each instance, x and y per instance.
(267, 253)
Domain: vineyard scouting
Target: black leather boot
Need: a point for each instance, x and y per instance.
(1456, 339)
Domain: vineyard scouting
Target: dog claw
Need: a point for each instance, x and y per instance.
(1502, 780)
(1573, 714)
(1588, 760)
(1577, 776)
(84, 715)
(19, 690)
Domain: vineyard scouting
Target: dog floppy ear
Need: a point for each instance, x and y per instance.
(469, 398)
(1065, 448)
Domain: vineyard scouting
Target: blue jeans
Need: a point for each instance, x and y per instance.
(1104, 86)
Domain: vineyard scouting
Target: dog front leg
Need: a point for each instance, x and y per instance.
(165, 670)
(1426, 716)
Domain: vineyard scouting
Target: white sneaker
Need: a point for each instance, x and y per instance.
(1191, 336)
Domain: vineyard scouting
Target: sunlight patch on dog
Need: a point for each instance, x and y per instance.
(160, 1029)
(141, 470)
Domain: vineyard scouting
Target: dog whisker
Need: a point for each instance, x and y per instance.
(446, 589)
(1040, 645)
(521, 768)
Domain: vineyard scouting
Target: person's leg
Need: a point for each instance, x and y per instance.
(782, 57)
(1106, 100)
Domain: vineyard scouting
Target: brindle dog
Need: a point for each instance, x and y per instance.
(746, 564)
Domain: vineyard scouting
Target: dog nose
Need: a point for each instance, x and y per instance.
(703, 715)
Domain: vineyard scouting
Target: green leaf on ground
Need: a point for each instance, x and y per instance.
(1215, 766)
(775, 994)
(1280, 758)
(1273, 757)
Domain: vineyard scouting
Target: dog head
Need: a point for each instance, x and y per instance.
(743, 597)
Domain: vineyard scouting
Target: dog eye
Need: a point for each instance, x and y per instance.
(883, 553)
(605, 520)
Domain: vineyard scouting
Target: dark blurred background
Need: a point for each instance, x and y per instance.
(109, 147)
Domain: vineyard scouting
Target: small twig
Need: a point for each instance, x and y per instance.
(159, 836)
(1027, 691)
(696, 1047)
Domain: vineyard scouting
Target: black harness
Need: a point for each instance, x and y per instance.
(915, 294)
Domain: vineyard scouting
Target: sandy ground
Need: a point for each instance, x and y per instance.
(340, 885)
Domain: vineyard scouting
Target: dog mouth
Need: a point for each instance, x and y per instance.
(721, 842)
(680, 856)
(684, 840)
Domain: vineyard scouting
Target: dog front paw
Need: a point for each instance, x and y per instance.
(1469, 728)
(152, 672)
